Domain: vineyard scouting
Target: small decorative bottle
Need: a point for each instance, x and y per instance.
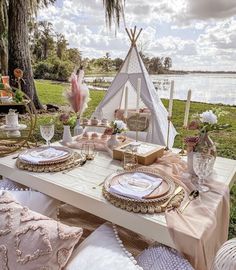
(67, 138)
(78, 129)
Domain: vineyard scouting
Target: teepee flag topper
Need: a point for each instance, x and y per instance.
(131, 72)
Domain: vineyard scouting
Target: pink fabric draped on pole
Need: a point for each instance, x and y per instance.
(203, 227)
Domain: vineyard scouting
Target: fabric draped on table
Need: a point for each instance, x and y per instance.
(203, 227)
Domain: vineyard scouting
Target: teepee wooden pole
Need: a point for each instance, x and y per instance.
(132, 35)
(127, 31)
(138, 35)
(135, 27)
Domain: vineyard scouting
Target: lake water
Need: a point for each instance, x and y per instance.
(209, 88)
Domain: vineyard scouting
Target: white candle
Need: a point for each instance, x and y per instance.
(171, 99)
(126, 102)
(138, 94)
(187, 107)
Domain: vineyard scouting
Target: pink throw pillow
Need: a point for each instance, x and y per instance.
(29, 240)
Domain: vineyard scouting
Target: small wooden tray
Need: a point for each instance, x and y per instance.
(145, 158)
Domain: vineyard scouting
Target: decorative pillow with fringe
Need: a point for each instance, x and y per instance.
(29, 240)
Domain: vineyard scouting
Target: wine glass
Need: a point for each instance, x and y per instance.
(202, 166)
(47, 132)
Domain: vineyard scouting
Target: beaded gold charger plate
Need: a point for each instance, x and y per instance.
(153, 203)
(74, 161)
(45, 155)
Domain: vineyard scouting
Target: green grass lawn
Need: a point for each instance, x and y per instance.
(225, 140)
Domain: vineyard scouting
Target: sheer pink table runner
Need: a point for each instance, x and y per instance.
(203, 227)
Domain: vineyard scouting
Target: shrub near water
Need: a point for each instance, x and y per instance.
(53, 69)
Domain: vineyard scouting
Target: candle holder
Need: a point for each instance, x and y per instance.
(88, 151)
(183, 152)
(137, 118)
(168, 133)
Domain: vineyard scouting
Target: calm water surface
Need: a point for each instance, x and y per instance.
(209, 88)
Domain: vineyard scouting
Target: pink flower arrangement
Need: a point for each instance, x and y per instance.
(191, 142)
(117, 126)
(108, 131)
(64, 118)
(67, 120)
(193, 125)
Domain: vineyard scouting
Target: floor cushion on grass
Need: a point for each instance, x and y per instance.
(226, 256)
(102, 250)
(29, 240)
(33, 199)
(160, 257)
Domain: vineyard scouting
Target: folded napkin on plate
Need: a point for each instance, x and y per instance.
(47, 154)
(126, 190)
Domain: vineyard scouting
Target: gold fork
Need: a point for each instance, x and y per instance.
(177, 191)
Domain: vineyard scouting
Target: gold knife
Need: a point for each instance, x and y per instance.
(177, 191)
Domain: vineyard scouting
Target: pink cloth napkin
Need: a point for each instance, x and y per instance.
(203, 227)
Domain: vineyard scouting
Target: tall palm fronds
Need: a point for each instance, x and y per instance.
(114, 10)
(35, 5)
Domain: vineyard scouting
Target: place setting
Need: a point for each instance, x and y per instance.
(142, 190)
(49, 158)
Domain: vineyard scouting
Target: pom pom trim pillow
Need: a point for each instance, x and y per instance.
(102, 250)
(29, 240)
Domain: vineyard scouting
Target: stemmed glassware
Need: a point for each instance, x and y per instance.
(202, 166)
(47, 132)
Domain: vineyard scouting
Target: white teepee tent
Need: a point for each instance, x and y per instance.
(132, 69)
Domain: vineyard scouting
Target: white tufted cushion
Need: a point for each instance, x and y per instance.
(162, 258)
(102, 250)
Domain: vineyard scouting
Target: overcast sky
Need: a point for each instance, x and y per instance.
(196, 34)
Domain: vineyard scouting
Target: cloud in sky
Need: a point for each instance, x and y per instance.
(197, 34)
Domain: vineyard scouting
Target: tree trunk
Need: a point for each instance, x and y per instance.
(3, 57)
(18, 44)
(3, 37)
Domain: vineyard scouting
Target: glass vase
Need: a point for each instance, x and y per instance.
(206, 145)
(190, 162)
(67, 138)
(112, 142)
(78, 129)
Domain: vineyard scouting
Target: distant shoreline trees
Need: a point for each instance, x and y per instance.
(54, 60)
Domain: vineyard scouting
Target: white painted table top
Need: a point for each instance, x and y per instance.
(80, 188)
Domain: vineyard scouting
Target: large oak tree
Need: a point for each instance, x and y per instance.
(19, 12)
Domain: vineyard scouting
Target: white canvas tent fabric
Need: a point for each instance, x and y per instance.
(132, 69)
